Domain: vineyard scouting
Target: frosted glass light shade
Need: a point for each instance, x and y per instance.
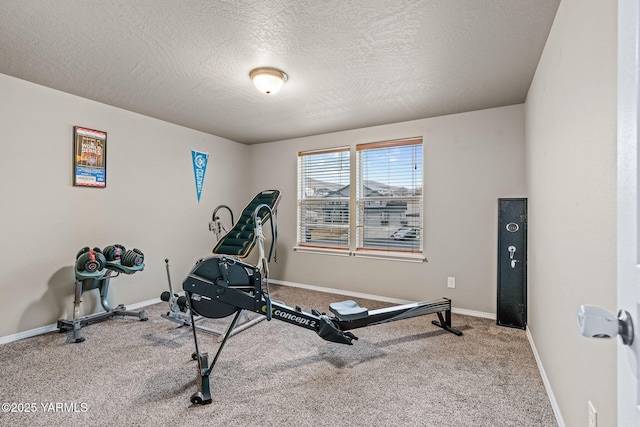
(268, 80)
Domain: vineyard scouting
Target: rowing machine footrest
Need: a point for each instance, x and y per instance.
(328, 331)
(348, 310)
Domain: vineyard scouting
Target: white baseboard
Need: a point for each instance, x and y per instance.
(375, 297)
(54, 327)
(144, 303)
(474, 313)
(545, 380)
(28, 334)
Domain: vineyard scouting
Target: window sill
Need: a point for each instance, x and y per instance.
(390, 256)
(323, 251)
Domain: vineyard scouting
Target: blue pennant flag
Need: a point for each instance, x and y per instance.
(199, 168)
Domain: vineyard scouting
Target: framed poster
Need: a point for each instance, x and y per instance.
(89, 157)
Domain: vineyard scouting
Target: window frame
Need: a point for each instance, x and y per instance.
(302, 225)
(413, 202)
(353, 246)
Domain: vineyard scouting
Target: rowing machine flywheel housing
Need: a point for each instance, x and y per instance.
(225, 272)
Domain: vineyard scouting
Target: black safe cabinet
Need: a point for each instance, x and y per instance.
(512, 263)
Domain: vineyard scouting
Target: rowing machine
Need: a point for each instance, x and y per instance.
(219, 286)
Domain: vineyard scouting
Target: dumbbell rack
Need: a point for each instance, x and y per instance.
(86, 281)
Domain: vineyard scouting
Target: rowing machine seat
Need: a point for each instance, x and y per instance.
(239, 241)
(348, 310)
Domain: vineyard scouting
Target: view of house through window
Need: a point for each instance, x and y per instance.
(323, 198)
(386, 201)
(389, 195)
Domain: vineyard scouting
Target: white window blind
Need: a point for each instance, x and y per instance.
(323, 198)
(389, 196)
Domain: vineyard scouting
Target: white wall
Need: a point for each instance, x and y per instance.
(570, 117)
(470, 160)
(149, 203)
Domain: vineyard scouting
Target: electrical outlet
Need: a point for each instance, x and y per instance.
(593, 416)
(451, 282)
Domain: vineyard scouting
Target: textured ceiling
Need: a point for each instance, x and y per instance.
(351, 64)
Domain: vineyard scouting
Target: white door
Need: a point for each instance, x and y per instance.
(628, 208)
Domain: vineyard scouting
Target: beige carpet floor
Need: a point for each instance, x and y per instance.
(404, 373)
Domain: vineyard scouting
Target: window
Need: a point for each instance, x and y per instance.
(383, 209)
(324, 199)
(389, 196)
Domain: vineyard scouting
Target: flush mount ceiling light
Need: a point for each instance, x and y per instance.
(268, 80)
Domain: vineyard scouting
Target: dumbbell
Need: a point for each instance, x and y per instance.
(114, 252)
(81, 251)
(90, 260)
(132, 258)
